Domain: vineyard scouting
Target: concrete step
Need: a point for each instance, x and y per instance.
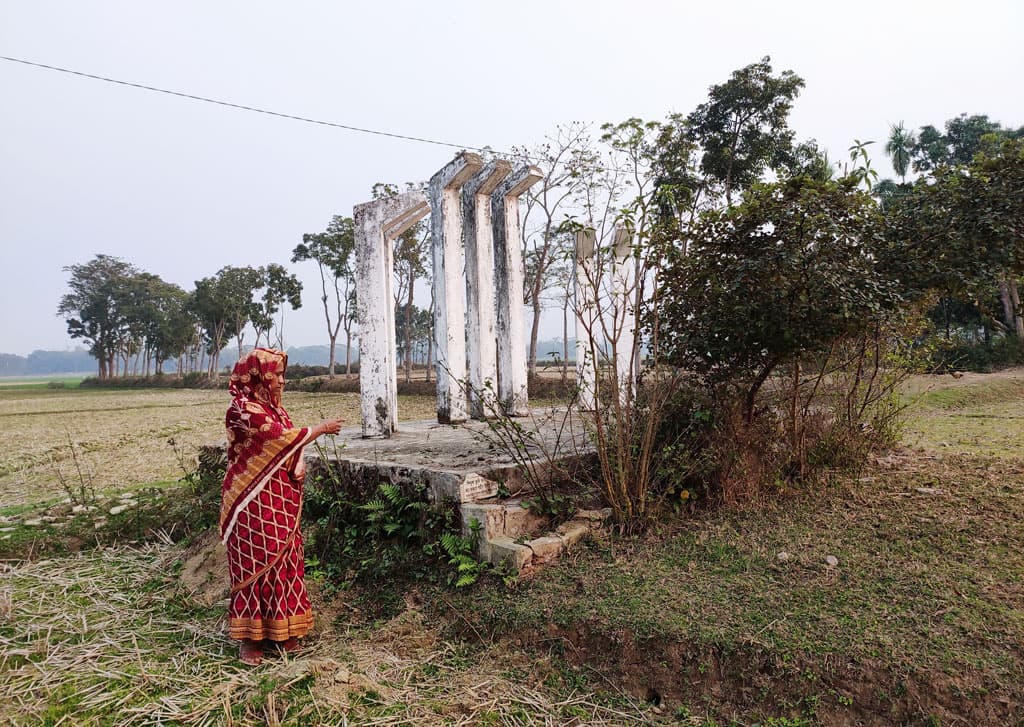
(509, 530)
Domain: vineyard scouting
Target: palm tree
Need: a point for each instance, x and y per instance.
(898, 148)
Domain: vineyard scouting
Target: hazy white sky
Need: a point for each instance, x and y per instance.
(181, 188)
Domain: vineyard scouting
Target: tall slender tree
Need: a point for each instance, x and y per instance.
(548, 205)
(333, 251)
(224, 305)
(279, 287)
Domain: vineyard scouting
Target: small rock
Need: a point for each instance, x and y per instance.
(782, 556)
(126, 495)
(929, 490)
(33, 523)
(118, 509)
(7, 529)
(100, 523)
(831, 561)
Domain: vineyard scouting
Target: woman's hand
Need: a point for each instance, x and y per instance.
(328, 426)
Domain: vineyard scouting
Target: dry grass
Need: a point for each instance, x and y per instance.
(109, 638)
(121, 437)
(928, 584)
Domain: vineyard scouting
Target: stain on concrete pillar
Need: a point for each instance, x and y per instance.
(444, 193)
(586, 318)
(481, 347)
(508, 274)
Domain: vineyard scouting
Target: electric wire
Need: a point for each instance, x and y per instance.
(255, 109)
(517, 155)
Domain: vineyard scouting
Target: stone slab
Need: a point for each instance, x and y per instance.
(574, 531)
(462, 462)
(546, 548)
(506, 550)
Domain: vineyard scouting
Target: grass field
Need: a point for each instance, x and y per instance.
(40, 382)
(919, 621)
(119, 439)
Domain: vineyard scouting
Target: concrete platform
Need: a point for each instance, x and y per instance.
(463, 462)
(467, 463)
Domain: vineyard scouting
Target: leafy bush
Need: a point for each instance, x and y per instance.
(799, 343)
(193, 380)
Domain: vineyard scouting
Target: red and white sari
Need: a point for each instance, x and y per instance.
(261, 507)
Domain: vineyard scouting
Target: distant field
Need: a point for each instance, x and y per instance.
(121, 438)
(41, 382)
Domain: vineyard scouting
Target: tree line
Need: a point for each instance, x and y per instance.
(134, 321)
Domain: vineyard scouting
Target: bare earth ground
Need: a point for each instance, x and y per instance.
(921, 621)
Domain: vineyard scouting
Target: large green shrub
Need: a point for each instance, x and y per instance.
(792, 333)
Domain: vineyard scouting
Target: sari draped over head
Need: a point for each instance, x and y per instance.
(261, 506)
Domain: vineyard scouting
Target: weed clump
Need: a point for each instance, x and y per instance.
(365, 531)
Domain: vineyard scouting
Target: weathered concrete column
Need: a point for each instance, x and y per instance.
(508, 273)
(377, 224)
(449, 310)
(586, 318)
(624, 305)
(481, 347)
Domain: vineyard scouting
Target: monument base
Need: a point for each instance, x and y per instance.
(468, 465)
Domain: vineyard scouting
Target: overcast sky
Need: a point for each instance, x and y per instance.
(181, 188)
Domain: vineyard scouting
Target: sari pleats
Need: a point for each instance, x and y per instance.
(265, 556)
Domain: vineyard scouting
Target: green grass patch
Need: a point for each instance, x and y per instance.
(58, 383)
(946, 397)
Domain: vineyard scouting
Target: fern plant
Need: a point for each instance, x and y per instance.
(460, 551)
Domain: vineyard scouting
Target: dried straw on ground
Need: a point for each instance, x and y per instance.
(108, 636)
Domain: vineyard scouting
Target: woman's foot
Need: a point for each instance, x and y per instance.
(251, 652)
(290, 645)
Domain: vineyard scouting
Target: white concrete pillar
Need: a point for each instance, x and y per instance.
(508, 273)
(444, 193)
(481, 346)
(623, 304)
(377, 224)
(586, 318)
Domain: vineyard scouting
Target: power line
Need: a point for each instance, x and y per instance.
(521, 155)
(254, 109)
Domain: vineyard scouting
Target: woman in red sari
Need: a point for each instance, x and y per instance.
(261, 508)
